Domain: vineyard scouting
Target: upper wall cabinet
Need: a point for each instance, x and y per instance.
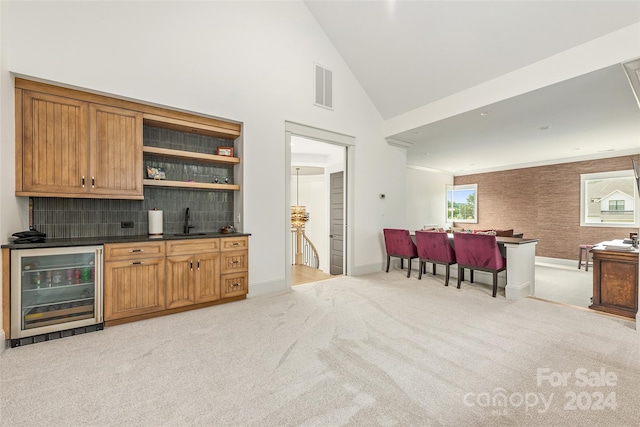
(71, 143)
(54, 147)
(115, 147)
(72, 148)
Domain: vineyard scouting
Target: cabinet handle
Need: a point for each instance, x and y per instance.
(136, 250)
(191, 264)
(233, 285)
(235, 244)
(235, 262)
(93, 182)
(137, 263)
(83, 181)
(198, 265)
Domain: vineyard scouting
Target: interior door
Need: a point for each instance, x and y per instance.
(336, 223)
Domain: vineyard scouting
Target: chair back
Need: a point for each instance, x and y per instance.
(478, 250)
(435, 246)
(398, 243)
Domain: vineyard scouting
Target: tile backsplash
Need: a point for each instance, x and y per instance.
(68, 218)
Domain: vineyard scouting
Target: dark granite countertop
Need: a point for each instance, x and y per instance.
(90, 241)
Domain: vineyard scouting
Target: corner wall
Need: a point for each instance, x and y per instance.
(544, 203)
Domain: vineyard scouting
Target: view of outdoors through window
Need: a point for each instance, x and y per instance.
(461, 203)
(609, 199)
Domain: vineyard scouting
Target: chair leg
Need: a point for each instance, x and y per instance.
(434, 269)
(460, 275)
(388, 261)
(495, 283)
(421, 267)
(401, 263)
(580, 260)
(409, 268)
(446, 277)
(471, 276)
(586, 262)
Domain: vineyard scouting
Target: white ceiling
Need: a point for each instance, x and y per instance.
(408, 54)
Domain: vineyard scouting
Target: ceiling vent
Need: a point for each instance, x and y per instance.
(324, 87)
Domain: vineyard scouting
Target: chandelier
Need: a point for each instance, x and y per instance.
(299, 215)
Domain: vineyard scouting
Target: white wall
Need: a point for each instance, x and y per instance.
(426, 198)
(245, 61)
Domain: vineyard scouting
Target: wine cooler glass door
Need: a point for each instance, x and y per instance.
(55, 289)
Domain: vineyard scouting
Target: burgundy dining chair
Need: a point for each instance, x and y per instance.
(478, 252)
(434, 247)
(398, 244)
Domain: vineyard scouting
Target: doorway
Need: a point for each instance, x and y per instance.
(318, 185)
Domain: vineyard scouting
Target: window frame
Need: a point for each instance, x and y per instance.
(585, 178)
(452, 189)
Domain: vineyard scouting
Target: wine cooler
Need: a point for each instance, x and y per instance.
(55, 292)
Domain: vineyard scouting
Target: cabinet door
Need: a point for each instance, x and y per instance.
(180, 277)
(207, 280)
(115, 152)
(133, 287)
(54, 145)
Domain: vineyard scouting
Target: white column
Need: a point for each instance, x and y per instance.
(521, 271)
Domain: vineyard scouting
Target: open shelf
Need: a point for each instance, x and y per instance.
(185, 184)
(189, 155)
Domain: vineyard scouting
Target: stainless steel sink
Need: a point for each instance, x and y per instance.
(189, 234)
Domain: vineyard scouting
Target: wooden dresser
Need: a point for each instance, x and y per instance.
(615, 282)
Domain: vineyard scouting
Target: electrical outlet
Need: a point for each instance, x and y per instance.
(126, 224)
(238, 218)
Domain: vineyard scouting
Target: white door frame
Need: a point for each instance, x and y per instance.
(329, 137)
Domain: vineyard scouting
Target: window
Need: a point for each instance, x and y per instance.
(616, 205)
(462, 203)
(608, 199)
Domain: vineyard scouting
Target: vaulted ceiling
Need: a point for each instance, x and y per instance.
(409, 54)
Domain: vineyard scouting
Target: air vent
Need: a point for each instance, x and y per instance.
(324, 87)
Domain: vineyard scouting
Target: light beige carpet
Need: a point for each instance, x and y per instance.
(374, 350)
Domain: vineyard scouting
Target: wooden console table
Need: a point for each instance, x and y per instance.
(615, 282)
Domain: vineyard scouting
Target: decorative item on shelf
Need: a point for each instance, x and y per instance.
(155, 172)
(224, 151)
(226, 180)
(299, 215)
(228, 229)
(215, 180)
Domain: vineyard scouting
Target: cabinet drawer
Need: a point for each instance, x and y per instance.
(234, 262)
(234, 243)
(127, 251)
(189, 247)
(233, 285)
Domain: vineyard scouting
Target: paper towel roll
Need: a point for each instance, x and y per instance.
(155, 223)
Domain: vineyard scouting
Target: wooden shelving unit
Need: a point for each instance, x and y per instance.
(190, 155)
(189, 184)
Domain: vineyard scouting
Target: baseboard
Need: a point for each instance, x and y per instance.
(3, 341)
(557, 261)
(263, 288)
(361, 270)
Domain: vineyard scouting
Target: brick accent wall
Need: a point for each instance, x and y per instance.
(543, 202)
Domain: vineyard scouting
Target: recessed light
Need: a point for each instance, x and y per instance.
(424, 154)
(485, 113)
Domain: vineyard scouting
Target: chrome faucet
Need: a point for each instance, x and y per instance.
(187, 227)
